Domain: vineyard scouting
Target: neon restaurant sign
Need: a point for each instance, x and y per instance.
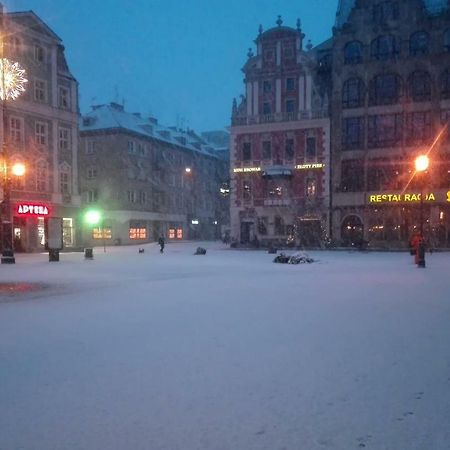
(30, 209)
(412, 197)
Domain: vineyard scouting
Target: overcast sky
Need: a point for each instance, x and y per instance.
(178, 60)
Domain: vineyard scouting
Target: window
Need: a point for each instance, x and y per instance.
(353, 133)
(385, 89)
(63, 97)
(246, 151)
(383, 11)
(447, 40)
(289, 149)
(92, 196)
(385, 130)
(445, 84)
(279, 225)
(247, 190)
(39, 53)
(14, 44)
(41, 176)
(310, 148)
(91, 173)
(40, 90)
(131, 196)
(262, 225)
(267, 86)
(290, 106)
(40, 133)
(353, 52)
(137, 233)
(64, 179)
(419, 43)
(352, 175)
(102, 233)
(90, 147)
(266, 150)
(267, 109)
(142, 197)
(418, 128)
(15, 130)
(353, 93)
(290, 84)
(131, 147)
(311, 187)
(64, 138)
(384, 47)
(141, 149)
(420, 86)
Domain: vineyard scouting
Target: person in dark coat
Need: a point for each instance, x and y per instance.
(161, 244)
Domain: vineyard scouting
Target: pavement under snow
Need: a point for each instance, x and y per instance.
(226, 351)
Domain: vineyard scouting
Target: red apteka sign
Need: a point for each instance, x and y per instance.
(31, 209)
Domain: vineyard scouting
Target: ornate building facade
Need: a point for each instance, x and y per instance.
(40, 130)
(149, 180)
(390, 102)
(280, 141)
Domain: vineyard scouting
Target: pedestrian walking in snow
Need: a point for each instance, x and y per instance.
(161, 244)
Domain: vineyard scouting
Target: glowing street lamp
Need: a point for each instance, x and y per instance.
(421, 163)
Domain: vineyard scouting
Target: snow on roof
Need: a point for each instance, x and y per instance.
(114, 116)
(433, 7)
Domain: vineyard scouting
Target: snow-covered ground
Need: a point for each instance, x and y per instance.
(226, 351)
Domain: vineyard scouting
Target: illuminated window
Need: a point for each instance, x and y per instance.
(102, 233)
(171, 233)
(179, 233)
(138, 233)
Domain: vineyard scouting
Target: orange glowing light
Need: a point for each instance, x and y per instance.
(422, 162)
(18, 169)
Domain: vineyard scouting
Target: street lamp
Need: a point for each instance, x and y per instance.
(421, 163)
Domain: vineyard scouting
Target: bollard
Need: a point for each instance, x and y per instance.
(89, 253)
(53, 254)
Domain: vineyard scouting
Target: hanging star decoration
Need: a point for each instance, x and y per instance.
(12, 79)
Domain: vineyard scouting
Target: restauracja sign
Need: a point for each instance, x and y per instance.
(405, 198)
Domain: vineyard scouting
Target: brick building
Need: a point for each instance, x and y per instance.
(149, 180)
(391, 100)
(40, 130)
(280, 141)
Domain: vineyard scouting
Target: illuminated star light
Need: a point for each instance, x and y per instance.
(12, 79)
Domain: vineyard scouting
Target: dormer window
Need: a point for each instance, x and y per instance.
(385, 11)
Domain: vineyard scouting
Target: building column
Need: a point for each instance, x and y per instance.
(278, 95)
(249, 99)
(255, 98)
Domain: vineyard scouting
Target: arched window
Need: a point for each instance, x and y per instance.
(419, 43)
(353, 93)
(65, 179)
(420, 86)
(384, 47)
(447, 40)
(353, 52)
(41, 176)
(385, 89)
(445, 84)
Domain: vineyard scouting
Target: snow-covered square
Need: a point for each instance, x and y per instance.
(225, 351)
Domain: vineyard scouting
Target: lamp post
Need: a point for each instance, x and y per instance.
(12, 84)
(421, 163)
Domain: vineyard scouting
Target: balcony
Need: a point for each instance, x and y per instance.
(279, 117)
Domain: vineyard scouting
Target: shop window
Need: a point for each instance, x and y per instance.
(102, 233)
(353, 52)
(68, 232)
(353, 93)
(419, 43)
(171, 233)
(179, 233)
(420, 86)
(137, 233)
(353, 133)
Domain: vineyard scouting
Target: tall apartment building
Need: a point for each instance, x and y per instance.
(280, 142)
(391, 100)
(40, 129)
(149, 180)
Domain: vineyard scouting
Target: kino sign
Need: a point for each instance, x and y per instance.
(27, 209)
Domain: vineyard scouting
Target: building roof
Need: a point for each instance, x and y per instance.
(433, 7)
(113, 116)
